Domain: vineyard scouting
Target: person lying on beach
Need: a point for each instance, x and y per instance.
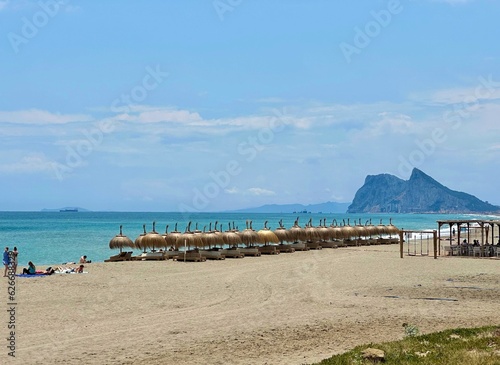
(68, 270)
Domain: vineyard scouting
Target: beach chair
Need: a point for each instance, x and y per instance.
(153, 256)
(299, 246)
(283, 248)
(191, 256)
(314, 245)
(122, 256)
(328, 244)
(212, 254)
(250, 251)
(234, 253)
(477, 251)
(269, 250)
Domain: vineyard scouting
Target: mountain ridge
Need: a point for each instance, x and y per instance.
(385, 193)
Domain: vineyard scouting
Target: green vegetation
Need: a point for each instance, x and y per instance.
(474, 346)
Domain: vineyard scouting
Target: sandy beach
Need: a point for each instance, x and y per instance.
(287, 309)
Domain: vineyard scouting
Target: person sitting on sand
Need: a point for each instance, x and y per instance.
(83, 260)
(31, 270)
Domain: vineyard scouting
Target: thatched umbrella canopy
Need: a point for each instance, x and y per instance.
(335, 230)
(323, 232)
(210, 238)
(231, 237)
(120, 241)
(266, 235)
(372, 230)
(312, 234)
(296, 232)
(348, 231)
(361, 230)
(248, 235)
(391, 228)
(137, 242)
(281, 232)
(171, 237)
(382, 229)
(188, 239)
(152, 240)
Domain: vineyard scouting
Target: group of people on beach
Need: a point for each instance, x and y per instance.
(10, 260)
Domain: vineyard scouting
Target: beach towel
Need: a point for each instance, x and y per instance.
(37, 275)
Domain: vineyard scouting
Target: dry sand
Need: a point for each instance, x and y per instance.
(286, 309)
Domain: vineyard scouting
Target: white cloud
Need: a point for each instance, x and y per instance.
(260, 192)
(31, 163)
(37, 116)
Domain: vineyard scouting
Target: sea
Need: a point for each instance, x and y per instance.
(49, 238)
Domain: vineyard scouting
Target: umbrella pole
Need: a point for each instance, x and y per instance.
(184, 250)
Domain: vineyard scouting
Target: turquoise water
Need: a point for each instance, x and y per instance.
(57, 237)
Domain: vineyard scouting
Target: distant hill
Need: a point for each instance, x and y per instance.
(328, 207)
(386, 193)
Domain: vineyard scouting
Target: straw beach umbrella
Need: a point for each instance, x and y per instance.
(311, 232)
(335, 230)
(391, 228)
(152, 240)
(348, 231)
(188, 239)
(281, 232)
(248, 235)
(296, 232)
(267, 236)
(171, 237)
(231, 237)
(137, 242)
(120, 241)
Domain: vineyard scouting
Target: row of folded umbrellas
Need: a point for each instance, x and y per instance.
(248, 236)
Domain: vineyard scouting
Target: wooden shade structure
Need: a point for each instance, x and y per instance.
(152, 240)
(248, 235)
(120, 241)
(266, 235)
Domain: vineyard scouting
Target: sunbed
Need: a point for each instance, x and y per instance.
(122, 256)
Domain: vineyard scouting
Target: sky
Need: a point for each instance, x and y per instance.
(226, 104)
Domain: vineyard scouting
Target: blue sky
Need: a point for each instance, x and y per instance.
(227, 104)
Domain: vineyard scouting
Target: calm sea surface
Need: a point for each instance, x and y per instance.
(57, 237)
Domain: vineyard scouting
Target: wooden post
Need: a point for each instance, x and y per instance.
(401, 243)
(434, 234)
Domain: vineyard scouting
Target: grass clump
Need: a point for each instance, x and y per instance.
(462, 346)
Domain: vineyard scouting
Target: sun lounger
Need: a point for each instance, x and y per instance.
(269, 250)
(122, 256)
(191, 256)
(351, 243)
(234, 253)
(299, 246)
(146, 256)
(250, 251)
(283, 248)
(171, 254)
(328, 244)
(212, 255)
(314, 245)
